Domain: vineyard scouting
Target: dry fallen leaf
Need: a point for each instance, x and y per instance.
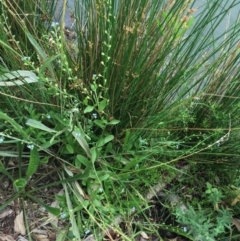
(90, 238)
(235, 201)
(21, 238)
(6, 212)
(40, 237)
(19, 226)
(236, 222)
(144, 235)
(4, 237)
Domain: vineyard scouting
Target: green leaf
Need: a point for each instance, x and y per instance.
(9, 201)
(5, 172)
(113, 122)
(93, 152)
(72, 217)
(38, 125)
(83, 160)
(82, 142)
(132, 163)
(15, 125)
(40, 51)
(44, 160)
(47, 63)
(33, 163)
(102, 105)
(7, 46)
(99, 123)
(190, 22)
(104, 177)
(94, 87)
(88, 109)
(20, 184)
(70, 149)
(49, 144)
(102, 141)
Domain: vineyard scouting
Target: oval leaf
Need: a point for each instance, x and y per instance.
(114, 122)
(105, 140)
(88, 109)
(102, 105)
(93, 152)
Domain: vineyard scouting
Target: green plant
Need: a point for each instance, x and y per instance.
(198, 223)
(202, 223)
(135, 93)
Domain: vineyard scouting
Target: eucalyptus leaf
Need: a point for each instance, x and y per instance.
(38, 125)
(18, 77)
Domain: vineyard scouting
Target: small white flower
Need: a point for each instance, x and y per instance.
(25, 58)
(30, 146)
(133, 210)
(87, 232)
(63, 215)
(48, 116)
(1, 139)
(94, 76)
(100, 190)
(185, 229)
(54, 24)
(78, 134)
(94, 115)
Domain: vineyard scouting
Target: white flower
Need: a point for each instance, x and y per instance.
(54, 24)
(77, 134)
(25, 58)
(100, 190)
(133, 210)
(94, 115)
(30, 146)
(63, 215)
(1, 139)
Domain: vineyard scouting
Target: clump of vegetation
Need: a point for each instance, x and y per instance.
(137, 97)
